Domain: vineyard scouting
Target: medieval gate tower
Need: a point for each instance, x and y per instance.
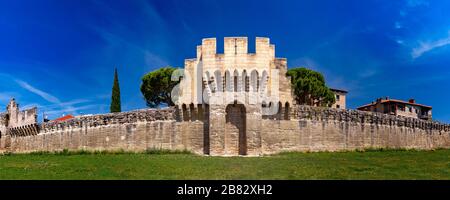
(232, 92)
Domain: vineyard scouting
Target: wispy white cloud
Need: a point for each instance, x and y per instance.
(150, 58)
(75, 101)
(306, 62)
(103, 96)
(41, 93)
(368, 73)
(57, 107)
(115, 33)
(52, 106)
(6, 96)
(412, 4)
(71, 109)
(398, 25)
(153, 60)
(428, 46)
(332, 78)
(187, 27)
(4, 99)
(151, 13)
(68, 104)
(415, 3)
(402, 13)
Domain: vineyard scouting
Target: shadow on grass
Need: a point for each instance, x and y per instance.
(66, 152)
(363, 151)
(156, 151)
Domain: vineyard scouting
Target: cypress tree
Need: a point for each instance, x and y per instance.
(115, 97)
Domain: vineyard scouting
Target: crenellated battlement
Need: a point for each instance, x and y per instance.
(144, 115)
(15, 122)
(200, 112)
(235, 46)
(302, 112)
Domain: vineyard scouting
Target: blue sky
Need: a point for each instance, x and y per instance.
(60, 55)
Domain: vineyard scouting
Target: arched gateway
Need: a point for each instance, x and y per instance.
(235, 130)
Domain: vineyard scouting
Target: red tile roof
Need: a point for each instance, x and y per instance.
(61, 119)
(396, 101)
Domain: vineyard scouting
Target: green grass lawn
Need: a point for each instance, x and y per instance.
(343, 165)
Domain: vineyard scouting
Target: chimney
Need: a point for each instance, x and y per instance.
(387, 98)
(412, 101)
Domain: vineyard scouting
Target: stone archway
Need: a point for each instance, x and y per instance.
(235, 129)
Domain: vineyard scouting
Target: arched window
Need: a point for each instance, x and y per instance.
(263, 82)
(254, 82)
(235, 82)
(244, 85)
(218, 80)
(228, 83)
(208, 81)
(286, 111)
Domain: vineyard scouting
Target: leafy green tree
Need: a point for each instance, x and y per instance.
(157, 87)
(309, 87)
(115, 96)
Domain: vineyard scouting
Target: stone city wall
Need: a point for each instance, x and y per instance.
(326, 129)
(3, 124)
(300, 128)
(130, 131)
